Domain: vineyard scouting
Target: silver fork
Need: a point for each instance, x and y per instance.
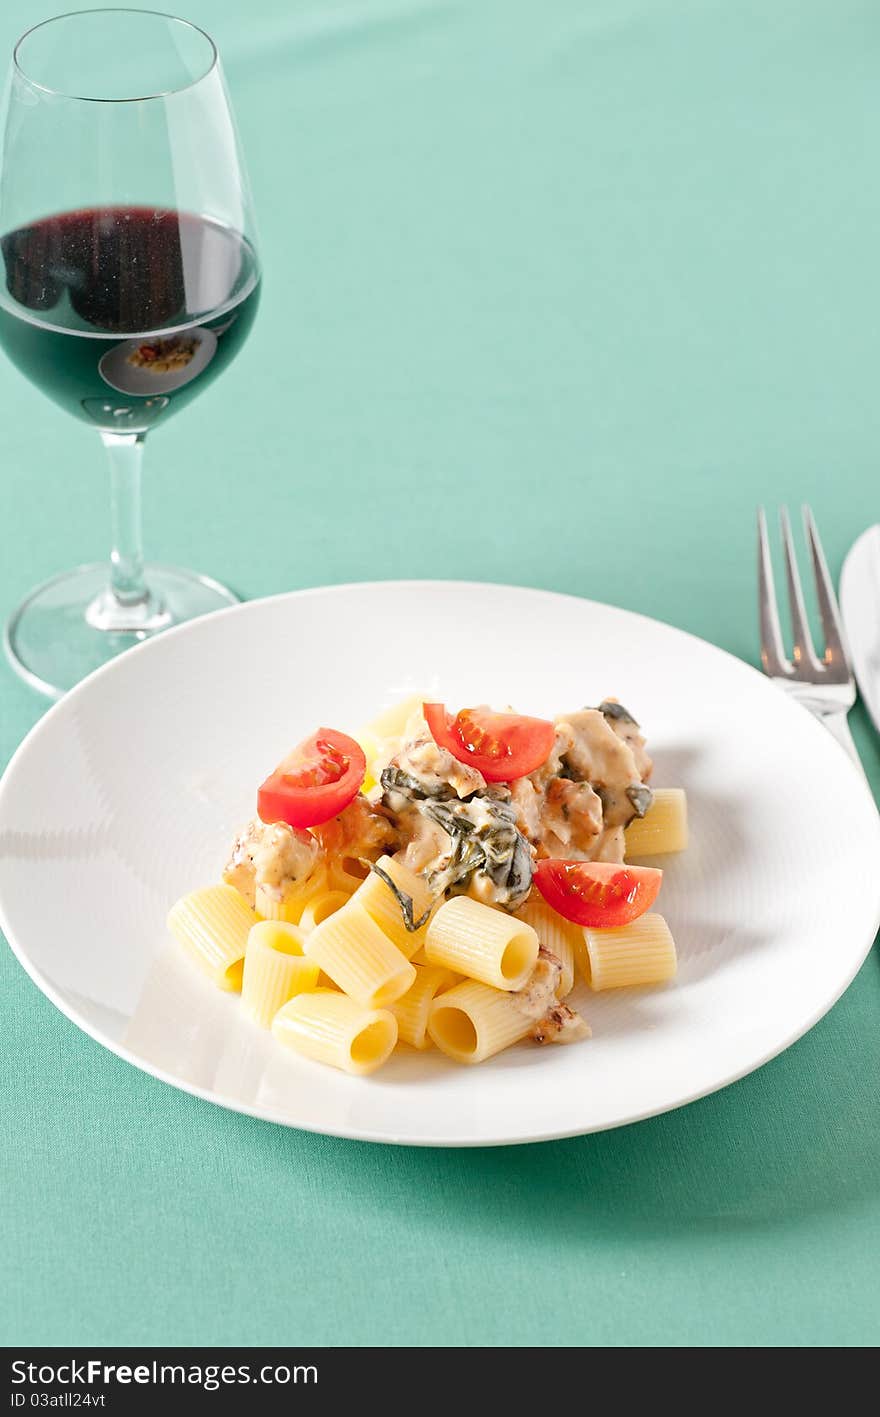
(824, 686)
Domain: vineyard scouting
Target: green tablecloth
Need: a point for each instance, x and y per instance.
(555, 293)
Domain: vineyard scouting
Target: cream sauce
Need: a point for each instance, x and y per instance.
(554, 1022)
(276, 857)
(417, 755)
(577, 803)
(575, 806)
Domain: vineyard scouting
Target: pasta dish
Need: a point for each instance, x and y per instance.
(442, 880)
(161, 356)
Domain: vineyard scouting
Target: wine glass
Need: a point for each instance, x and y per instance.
(131, 282)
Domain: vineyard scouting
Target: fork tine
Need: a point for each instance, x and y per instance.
(828, 608)
(772, 652)
(802, 649)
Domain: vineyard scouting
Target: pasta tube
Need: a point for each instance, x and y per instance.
(360, 958)
(332, 1028)
(382, 905)
(391, 723)
(640, 953)
(581, 954)
(275, 968)
(320, 907)
(472, 1022)
(213, 924)
(481, 942)
(341, 878)
(411, 1011)
(663, 828)
(556, 934)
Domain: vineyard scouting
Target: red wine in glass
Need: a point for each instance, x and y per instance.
(123, 314)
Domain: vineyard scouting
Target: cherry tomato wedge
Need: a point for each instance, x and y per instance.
(315, 782)
(599, 894)
(502, 746)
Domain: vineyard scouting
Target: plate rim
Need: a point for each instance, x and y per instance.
(269, 1114)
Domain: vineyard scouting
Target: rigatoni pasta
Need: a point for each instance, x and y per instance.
(341, 876)
(275, 969)
(664, 827)
(472, 1022)
(640, 953)
(388, 725)
(320, 907)
(333, 1029)
(483, 943)
(360, 958)
(557, 935)
(384, 907)
(413, 1008)
(213, 925)
(581, 955)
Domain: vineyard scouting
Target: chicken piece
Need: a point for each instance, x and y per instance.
(625, 727)
(565, 819)
(554, 766)
(596, 751)
(554, 1022)
(561, 1025)
(528, 800)
(573, 815)
(610, 846)
(577, 803)
(421, 767)
(276, 857)
(426, 841)
(364, 830)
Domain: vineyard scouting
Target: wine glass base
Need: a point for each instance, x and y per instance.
(68, 626)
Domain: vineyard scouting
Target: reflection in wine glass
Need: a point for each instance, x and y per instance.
(156, 366)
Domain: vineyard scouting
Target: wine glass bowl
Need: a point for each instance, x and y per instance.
(130, 282)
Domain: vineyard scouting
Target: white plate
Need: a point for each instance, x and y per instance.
(129, 791)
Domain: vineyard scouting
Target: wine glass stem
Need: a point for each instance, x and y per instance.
(127, 606)
(126, 452)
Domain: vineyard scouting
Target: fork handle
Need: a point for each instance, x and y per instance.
(836, 723)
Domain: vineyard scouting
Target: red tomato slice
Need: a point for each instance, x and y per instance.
(502, 746)
(599, 894)
(315, 782)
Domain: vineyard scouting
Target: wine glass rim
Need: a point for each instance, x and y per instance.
(114, 10)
